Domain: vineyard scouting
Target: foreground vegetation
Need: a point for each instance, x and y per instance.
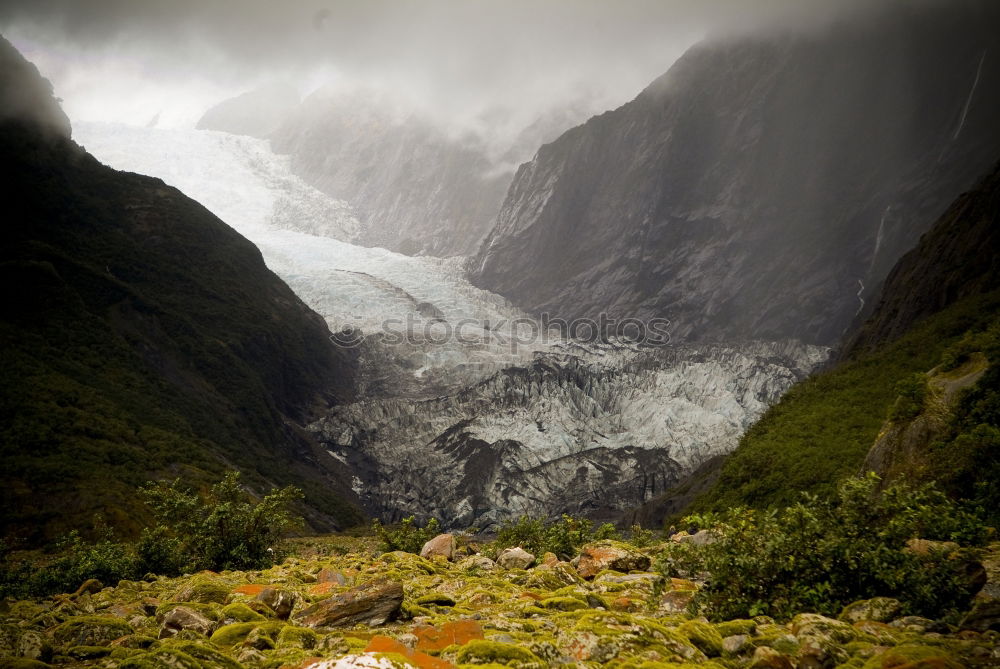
(876, 578)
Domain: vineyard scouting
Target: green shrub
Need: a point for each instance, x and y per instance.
(563, 537)
(406, 536)
(821, 555)
(640, 537)
(224, 529)
(912, 393)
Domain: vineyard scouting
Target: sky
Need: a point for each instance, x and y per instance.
(136, 60)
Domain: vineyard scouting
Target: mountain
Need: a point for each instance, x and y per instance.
(256, 113)
(764, 185)
(141, 337)
(415, 188)
(915, 397)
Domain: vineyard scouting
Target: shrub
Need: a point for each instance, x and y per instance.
(912, 393)
(821, 555)
(563, 537)
(406, 536)
(641, 537)
(225, 529)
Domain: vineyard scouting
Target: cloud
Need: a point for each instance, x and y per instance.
(132, 58)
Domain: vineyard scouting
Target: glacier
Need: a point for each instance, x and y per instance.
(484, 427)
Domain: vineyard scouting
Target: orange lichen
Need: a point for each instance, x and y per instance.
(456, 633)
(384, 644)
(252, 590)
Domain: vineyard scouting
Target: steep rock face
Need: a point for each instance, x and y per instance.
(415, 189)
(141, 337)
(761, 184)
(957, 258)
(587, 433)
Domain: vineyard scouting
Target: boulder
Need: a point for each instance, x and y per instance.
(879, 609)
(185, 618)
(372, 603)
(443, 545)
(813, 625)
(926, 546)
(985, 615)
(768, 658)
(278, 600)
(699, 538)
(596, 557)
(515, 558)
(477, 562)
(90, 631)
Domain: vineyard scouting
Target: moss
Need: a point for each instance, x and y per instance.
(913, 655)
(563, 604)
(435, 598)
(230, 635)
(241, 613)
(738, 626)
(90, 631)
(210, 611)
(88, 652)
(493, 652)
(705, 637)
(291, 636)
(210, 656)
(21, 663)
(203, 589)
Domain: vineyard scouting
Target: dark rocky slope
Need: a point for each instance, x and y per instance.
(141, 337)
(957, 258)
(764, 185)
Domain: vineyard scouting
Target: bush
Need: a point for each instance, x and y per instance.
(563, 537)
(912, 393)
(822, 555)
(406, 536)
(225, 529)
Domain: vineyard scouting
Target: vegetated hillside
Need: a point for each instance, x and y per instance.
(921, 405)
(764, 185)
(141, 337)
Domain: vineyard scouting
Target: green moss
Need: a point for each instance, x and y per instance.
(490, 652)
(437, 598)
(738, 626)
(230, 635)
(240, 612)
(913, 655)
(210, 611)
(90, 631)
(563, 604)
(704, 636)
(211, 657)
(291, 636)
(21, 663)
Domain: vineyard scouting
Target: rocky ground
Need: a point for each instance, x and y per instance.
(339, 604)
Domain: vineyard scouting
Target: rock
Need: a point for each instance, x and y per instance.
(90, 631)
(985, 615)
(768, 658)
(913, 623)
(550, 559)
(699, 538)
(879, 609)
(201, 588)
(477, 562)
(515, 558)
(91, 585)
(185, 618)
(373, 603)
(443, 545)
(278, 600)
(704, 637)
(814, 625)
(735, 644)
(34, 646)
(596, 557)
(676, 601)
(926, 546)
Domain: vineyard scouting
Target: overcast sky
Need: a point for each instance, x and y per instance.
(127, 60)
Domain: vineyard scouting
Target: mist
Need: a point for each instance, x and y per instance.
(470, 64)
